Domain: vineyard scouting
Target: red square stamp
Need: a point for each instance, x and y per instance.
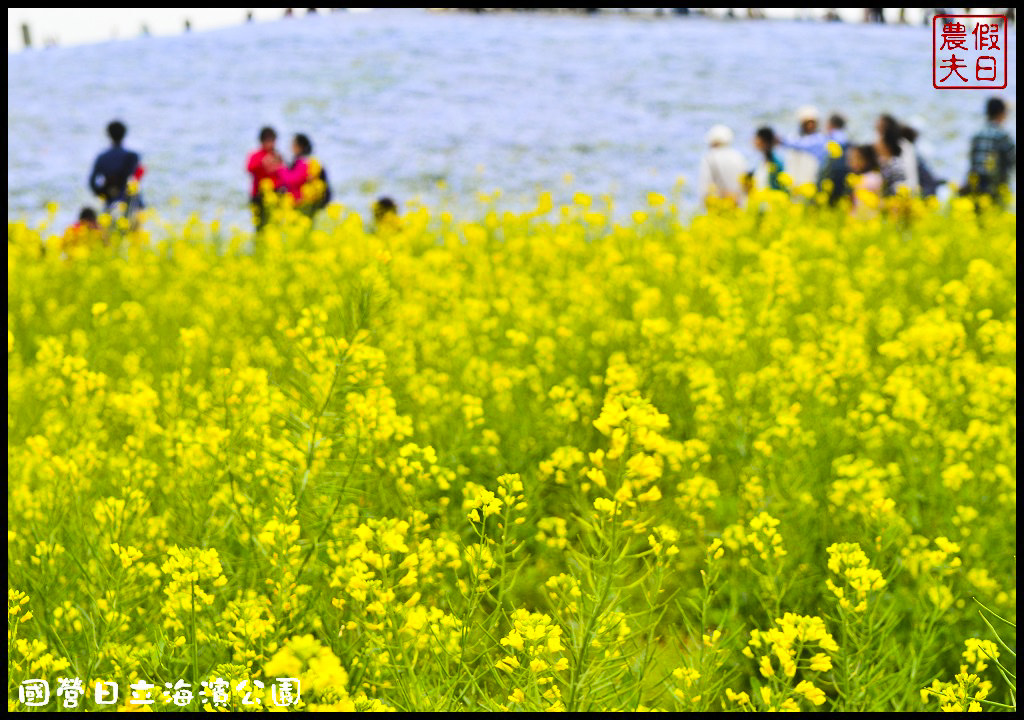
(969, 52)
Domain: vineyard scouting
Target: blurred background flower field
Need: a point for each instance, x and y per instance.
(439, 106)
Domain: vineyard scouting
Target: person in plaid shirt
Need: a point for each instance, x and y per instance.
(993, 153)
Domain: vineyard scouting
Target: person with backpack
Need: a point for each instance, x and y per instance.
(114, 169)
(993, 154)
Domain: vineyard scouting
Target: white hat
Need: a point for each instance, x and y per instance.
(719, 135)
(807, 112)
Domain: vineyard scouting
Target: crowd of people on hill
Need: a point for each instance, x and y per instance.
(822, 157)
(826, 159)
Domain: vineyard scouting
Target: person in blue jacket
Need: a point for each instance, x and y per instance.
(114, 168)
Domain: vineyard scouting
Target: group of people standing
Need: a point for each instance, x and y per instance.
(827, 159)
(822, 156)
(117, 171)
(304, 179)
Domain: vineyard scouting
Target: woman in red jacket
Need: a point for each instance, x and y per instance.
(264, 165)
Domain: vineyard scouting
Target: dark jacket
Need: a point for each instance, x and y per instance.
(993, 156)
(111, 173)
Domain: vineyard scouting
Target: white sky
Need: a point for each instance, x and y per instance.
(72, 26)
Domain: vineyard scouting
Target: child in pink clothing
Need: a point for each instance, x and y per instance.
(305, 180)
(292, 178)
(864, 164)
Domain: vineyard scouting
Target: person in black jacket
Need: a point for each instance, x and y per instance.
(114, 168)
(993, 154)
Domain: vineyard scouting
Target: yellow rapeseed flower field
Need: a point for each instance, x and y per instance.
(761, 459)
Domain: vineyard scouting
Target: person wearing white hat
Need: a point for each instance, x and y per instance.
(722, 168)
(807, 152)
(808, 113)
